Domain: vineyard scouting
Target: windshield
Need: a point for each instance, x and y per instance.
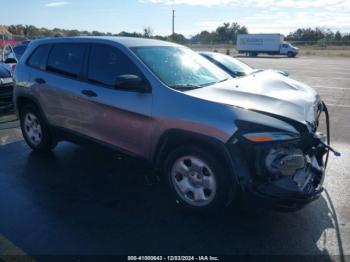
(232, 64)
(180, 67)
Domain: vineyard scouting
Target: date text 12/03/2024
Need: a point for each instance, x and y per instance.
(173, 258)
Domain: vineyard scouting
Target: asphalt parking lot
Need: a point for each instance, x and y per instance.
(84, 201)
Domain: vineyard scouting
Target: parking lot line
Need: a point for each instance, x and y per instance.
(330, 87)
(334, 105)
(9, 252)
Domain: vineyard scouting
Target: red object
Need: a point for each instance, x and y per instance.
(10, 40)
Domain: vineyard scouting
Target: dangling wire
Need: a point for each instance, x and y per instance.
(325, 109)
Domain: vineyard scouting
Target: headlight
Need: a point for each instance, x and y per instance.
(270, 136)
(285, 161)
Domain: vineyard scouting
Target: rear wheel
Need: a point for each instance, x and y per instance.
(35, 130)
(197, 179)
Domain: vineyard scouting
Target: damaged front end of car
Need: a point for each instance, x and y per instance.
(284, 169)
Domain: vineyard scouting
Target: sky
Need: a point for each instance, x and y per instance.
(191, 16)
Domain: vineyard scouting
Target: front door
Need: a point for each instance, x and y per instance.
(121, 118)
(284, 49)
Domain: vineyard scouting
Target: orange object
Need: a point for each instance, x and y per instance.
(255, 138)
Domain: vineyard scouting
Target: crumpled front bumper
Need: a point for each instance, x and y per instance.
(285, 200)
(287, 192)
(287, 197)
(294, 192)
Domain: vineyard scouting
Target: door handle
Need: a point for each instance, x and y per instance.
(40, 81)
(89, 93)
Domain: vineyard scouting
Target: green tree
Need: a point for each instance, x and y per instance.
(177, 38)
(337, 36)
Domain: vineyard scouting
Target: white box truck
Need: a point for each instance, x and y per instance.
(271, 44)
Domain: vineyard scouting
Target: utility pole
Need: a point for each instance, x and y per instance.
(173, 32)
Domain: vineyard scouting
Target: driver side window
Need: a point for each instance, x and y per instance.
(106, 63)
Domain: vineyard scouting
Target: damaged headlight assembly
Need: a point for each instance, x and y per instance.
(280, 160)
(285, 161)
(284, 155)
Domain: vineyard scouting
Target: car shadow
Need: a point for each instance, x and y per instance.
(83, 200)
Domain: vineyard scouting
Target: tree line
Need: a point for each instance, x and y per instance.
(318, 35)
(225, 33)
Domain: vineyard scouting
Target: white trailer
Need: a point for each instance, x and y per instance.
(272, 44)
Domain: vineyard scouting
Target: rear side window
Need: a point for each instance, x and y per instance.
(66, 59)
(38, 58)
(106, 63)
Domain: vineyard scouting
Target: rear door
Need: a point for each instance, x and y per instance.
(58, 85)
(118, 117)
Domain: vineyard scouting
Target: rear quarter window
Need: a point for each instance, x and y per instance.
(38, 57)
(66, 59)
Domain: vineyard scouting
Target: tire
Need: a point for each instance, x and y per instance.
(253, 54)
(35, 130)
(290, 54)
(187, 169)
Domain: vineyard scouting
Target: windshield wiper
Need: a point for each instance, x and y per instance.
(223, 80)
(213, 83)
(256, 71)
(186, 87)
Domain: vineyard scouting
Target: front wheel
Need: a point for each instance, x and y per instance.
(291, 54)
(197, 179)
(253, 54)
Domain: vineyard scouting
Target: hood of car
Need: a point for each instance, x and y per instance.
(265, 91)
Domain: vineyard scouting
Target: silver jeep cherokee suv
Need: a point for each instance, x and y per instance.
(210, 135)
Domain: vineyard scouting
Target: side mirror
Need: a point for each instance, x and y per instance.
(284, 73)
(10, 60)
(132, 83)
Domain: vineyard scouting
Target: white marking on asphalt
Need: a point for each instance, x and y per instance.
(330, 87)
(346, 106)
(333, 78)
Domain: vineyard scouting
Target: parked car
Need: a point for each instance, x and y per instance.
(212, 136)
(14, 52)
(271, 44)
(6, 89)
(10, 57)
(233, 66)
